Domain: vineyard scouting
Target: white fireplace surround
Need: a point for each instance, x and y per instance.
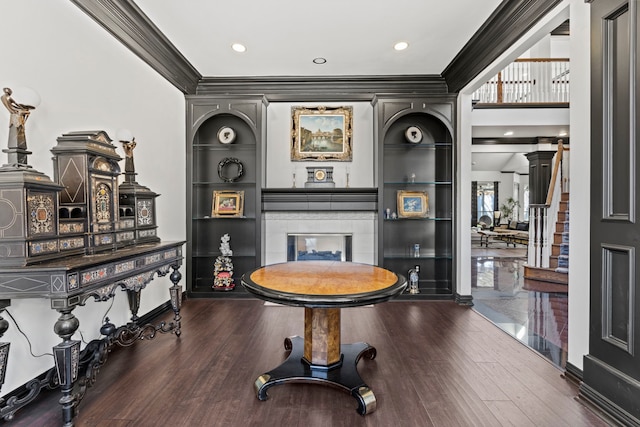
(361, 224)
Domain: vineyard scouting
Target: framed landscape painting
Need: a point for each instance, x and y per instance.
(321, 133)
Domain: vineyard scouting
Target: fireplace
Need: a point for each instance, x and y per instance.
(347, 215)
(319, 247)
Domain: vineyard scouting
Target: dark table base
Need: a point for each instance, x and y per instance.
(343, 375)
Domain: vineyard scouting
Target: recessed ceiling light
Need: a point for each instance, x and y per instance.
(238, 47)
(508, 133)
(319, 60)
(563, 133)
(401, 46)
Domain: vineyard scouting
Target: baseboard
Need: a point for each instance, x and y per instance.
(466, 300)
(610, 390)
(573, 374)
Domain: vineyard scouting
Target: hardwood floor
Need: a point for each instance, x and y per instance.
(437, 364)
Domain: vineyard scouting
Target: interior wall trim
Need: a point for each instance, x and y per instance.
(510, 21)
(127, 23)
(323, 88)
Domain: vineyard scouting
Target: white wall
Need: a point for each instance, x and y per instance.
(88, 81)
(280, 168)
(579, 198)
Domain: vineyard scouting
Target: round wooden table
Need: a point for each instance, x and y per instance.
(323, 288)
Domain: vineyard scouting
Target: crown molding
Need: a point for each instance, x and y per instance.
(510, 21)
(127, 23)
(322, 88)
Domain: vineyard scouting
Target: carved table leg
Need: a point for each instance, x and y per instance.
(134, 304)
(176, 297)
(67, 357)
(4, 346)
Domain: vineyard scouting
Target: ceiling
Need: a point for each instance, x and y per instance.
(283, 37)
(355, 37)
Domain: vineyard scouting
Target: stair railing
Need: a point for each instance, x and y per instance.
(543, 217)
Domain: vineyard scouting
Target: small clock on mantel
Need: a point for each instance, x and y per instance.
(320, 176)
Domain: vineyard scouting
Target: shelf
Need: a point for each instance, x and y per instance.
(226, 148)
(418, 183)
(248, 184)
(408, 146)
(217, 254)
(409, 257)
(225, 218)
(418, 219)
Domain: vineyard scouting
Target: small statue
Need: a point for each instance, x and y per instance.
(223, 267)
(225, 247)
(414, 278)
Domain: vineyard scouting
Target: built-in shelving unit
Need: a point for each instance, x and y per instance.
(424, 166)
(400, 165)
(206, 116)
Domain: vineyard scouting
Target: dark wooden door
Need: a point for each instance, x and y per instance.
(612, 367)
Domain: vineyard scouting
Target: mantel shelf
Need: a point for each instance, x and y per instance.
(320, 199)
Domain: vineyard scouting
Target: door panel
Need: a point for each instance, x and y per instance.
(612, 367)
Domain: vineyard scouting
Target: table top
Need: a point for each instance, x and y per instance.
(324, 283)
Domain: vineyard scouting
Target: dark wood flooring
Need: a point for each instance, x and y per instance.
(437, 364)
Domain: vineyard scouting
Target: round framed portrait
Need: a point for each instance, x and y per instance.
(413, 134)
(226, 135)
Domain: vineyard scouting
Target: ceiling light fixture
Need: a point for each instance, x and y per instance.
(238, 47)
(319, 60)
(401, 46)
(562, 133)
(508, 133)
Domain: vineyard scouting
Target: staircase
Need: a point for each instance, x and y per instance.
(558, 270)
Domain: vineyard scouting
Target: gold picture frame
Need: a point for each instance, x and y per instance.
(227, 203)
(321, 133)
(413, 204)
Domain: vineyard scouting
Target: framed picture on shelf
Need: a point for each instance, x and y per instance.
(227, 203)
(413, 204)
(321, 133)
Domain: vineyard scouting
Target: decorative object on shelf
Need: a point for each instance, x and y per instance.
(137, 222)
(387, 213)
(293, 183)
(86, 164)
(413, 134)
(414, 279)
(412, 178)
(320, 177)
(227, 203)
(321, 133)
(28, 198)
(412, 204)
(226, 135)
(223, 267)
(416, 250)
(224, 169)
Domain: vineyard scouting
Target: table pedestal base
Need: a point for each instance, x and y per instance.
(343, 375)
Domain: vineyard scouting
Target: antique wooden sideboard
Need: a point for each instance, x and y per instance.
(71, 281)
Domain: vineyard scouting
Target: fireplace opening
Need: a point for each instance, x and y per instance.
(319, 247)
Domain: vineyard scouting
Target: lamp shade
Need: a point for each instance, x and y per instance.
(26, 97)
(124, 135)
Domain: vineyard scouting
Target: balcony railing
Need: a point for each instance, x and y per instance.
(528, 81)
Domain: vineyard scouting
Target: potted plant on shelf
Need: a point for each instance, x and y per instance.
(508, 207)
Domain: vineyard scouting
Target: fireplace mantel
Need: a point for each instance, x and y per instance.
(319, 199)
